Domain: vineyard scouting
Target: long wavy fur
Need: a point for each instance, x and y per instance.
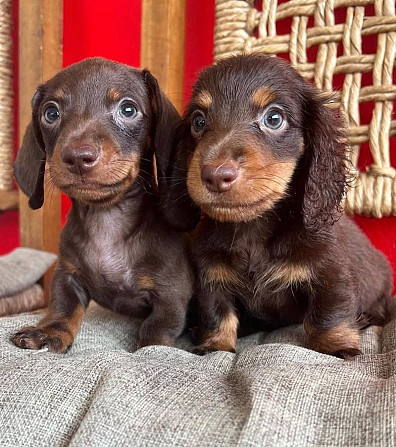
(326, 160)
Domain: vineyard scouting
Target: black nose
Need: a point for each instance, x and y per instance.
(219, 178)
(80, 160)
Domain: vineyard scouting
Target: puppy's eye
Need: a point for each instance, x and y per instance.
(272, 119)
(127, 110)
(198, 123)
(51, 114)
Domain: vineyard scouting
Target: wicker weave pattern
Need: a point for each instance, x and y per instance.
(6, 96)
(237, 21)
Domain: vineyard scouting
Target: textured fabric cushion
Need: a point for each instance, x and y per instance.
(22, 268)
(273, 392)
(29, 299)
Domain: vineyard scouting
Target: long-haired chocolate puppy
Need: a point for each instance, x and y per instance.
(264, 159)
(97, 125)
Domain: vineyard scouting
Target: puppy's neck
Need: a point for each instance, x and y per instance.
(278, 223)
(135, 209)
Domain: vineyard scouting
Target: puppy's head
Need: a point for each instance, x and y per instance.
(96, 124)
(256, 133)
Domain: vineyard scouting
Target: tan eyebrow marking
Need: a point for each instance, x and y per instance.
(262, 97)
(114, 94)
(59, 93)
(203, 99)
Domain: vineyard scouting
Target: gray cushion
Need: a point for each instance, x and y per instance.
(22, 268)
(273, 392)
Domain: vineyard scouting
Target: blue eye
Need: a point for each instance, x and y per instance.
(273, 119)
(127, 110)
(51, 114)
(198, 123)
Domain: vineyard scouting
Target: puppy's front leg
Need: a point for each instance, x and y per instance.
(218, 321)
(330, 323)
(57, 330)
(165, 322)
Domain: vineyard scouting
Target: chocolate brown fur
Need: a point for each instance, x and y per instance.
(273, 240)
(116, 247)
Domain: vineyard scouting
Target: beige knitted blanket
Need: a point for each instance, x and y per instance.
(273, 392)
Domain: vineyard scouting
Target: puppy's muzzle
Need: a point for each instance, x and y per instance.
(219, 178)
(80, 160)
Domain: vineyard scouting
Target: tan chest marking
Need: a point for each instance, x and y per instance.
(284, 275)
(146, 282)
(223, 274)
(291, 273)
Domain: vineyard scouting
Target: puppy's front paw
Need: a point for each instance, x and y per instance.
(348, 354)
(341, 341)
(35, 338)
(203, 350)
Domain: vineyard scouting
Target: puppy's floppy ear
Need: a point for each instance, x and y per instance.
(176, 204)
(29, 166)
(326, 161)
(180, 207)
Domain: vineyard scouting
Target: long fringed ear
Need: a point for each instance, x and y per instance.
(179, 206)
(29, 166)
(176, 204)
(326, 159)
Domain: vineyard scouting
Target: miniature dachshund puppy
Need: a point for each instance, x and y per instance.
(97, 125)
(263, 157)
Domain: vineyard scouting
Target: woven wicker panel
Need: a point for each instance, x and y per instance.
(338, 48)
(6, 96)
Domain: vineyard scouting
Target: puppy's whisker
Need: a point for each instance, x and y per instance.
(181, 196)
(120, 160)
(264, 188)
(218, 167)
(178, 168)
(146, 159)
(171, 178)
(173, 185)
(233, 239)
(283, 183)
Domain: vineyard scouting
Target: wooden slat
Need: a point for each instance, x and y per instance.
(162, 45)
(8, 200)
(40, 57)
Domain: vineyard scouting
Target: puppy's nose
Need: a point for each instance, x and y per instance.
(80, 160)
(219, 178)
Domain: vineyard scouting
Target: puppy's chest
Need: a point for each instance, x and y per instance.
(250, 270)
(108, 261)
(108, 254)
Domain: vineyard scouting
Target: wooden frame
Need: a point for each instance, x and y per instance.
(40, 56)
(162, 45)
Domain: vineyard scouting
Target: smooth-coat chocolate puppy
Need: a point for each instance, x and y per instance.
(264, 158)
(97, 125)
